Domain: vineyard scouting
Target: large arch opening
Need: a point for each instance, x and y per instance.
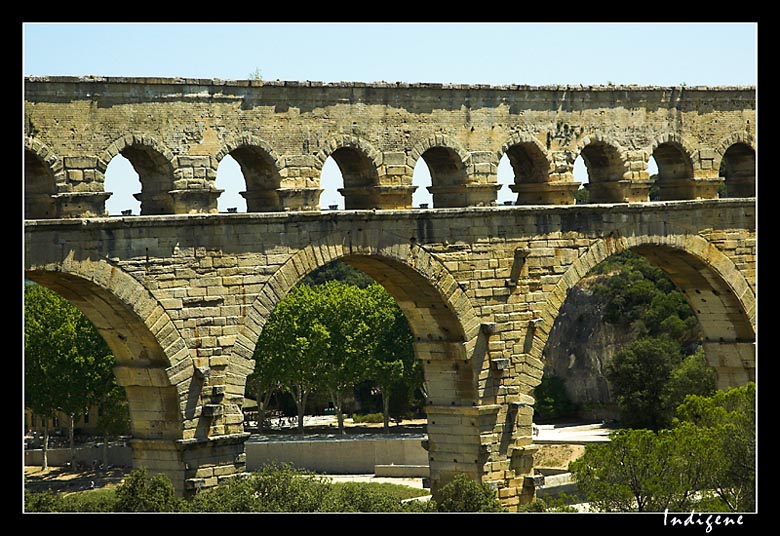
(647, 292)
(523, 164)
(359, 177)
(605, 170)
(443, 342)
(260, 176)
(674, 166)
(331, 180)
(230, 179)
(421, 178)
(39, 187)
(140, 360)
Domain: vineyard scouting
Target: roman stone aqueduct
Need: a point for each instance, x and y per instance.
(181, 292)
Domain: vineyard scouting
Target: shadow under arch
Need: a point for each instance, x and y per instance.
(721, 297)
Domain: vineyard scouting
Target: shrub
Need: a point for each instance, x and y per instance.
(359, 497)
(369, 417)
(141, 493)
(44, 501)
(463, 494)
(552, 401)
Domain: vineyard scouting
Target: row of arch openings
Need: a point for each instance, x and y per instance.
(140, 178)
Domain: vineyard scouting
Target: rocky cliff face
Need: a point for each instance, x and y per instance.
(579, 348)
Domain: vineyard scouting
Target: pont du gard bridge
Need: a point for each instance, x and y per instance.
(181, 292)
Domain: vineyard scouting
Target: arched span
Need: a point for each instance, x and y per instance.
(47, 157)
(152, 363)
(530, 162)
(247, 140)
(438, 140)
(349, 142)
(154, 164)
(128, 140)
(260, 170)
(441, 317)
(43, 172)
(723, 300)
(675, 139)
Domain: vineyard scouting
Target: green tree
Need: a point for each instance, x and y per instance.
(338, 271)
(114, 418)
(627, 474)
(639, 376)
(294, 344)
(552, 400)
(392, 365)
(140, 492)
(68, 365)
(464, 494)
(729, 419)
(349, 316)
(710, 447)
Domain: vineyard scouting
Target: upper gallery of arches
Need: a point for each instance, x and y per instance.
(175, 132)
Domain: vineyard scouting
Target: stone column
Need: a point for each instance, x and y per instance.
(734, 362)
(192, 464)
(80, 204)
(688, 189)
(546, 193)
(195, 201)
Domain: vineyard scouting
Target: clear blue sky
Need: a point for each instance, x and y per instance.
(665, 54)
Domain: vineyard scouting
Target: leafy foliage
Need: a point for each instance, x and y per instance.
(552, 401)
(331, 337)
(709, 449)
(464, 494)
(140, 492)
(729, 420)
(68, 365)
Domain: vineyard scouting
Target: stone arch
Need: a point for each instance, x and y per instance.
(607, 165)
(153, 364)
(135, 327)
(451, 169)
(359, 164)
(438, 141)
(736, 162)
(721, 296)
(673, 157)
(442, 319)
(43, 171)
(531, 163)
(154, 164)
(260, 168)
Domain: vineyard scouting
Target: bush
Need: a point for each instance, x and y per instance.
(44, 501)
(360, 497)
(369, 418)
(275, 488)
(463, 494)
(141, 493)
